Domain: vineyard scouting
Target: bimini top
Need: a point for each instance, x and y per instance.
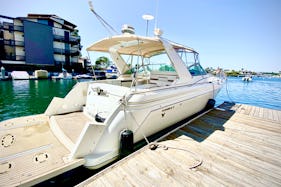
(130, 44)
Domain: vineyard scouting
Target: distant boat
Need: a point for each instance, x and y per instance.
(83, 76)
(247, 78)
(20, 75)
(111, 72)
(41, 74)
(64, 75)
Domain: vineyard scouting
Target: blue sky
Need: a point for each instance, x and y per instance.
(231, 34)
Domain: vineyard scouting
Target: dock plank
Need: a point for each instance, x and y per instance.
(166, 167)
(237, 147)
(216, 164)
(229, 150)
(275, 115)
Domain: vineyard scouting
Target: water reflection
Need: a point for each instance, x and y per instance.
(27, 97)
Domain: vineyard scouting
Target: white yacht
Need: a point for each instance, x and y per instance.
(247, 78)
(20, 75)
(160, 84)
(64, 75)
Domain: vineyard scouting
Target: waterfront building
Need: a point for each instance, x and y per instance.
(39, 41)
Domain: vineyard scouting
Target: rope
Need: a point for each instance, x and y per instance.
(106, 25)
(153, 146)
(227, 92)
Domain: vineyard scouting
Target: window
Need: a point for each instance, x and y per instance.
(188, 57)
(160, 62)
(191, 60)
(196, 69)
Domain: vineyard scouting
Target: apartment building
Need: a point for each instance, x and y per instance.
(39, 41)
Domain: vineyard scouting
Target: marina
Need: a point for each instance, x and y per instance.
(147, 112)
(238, 145)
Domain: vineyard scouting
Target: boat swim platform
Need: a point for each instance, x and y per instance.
(237, 145)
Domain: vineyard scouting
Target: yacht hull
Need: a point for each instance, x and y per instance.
(146, 113)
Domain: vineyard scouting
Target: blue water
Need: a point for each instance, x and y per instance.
(261, 92)
(27, 97)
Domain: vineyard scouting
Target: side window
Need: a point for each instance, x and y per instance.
(187, 57)
(196, 69)
(191, 60)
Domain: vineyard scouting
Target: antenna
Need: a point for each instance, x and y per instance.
(106, 25)
(156, 14)
(147, 17)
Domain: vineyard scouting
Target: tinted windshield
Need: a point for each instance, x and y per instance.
(158, 62)
(161, 62)
(191, 60)
(196, 69)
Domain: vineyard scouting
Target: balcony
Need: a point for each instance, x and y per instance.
(59, 51)
(20, 58)
(19, 43)
(14, 57)
(74, 39)
(72, 52)
(59, 38)
(75, 53)
(12, 27)
(18, 28)
(14, 43)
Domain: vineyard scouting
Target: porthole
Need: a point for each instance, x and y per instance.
(41, 157)
(7, 140)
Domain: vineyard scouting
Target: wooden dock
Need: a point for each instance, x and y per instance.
(240, 146)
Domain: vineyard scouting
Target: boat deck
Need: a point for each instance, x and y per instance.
(240, 146)
(30, 153)
(69, 126)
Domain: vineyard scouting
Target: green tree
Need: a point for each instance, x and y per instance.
(233, 73)
(102, 63)
(75, 33)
